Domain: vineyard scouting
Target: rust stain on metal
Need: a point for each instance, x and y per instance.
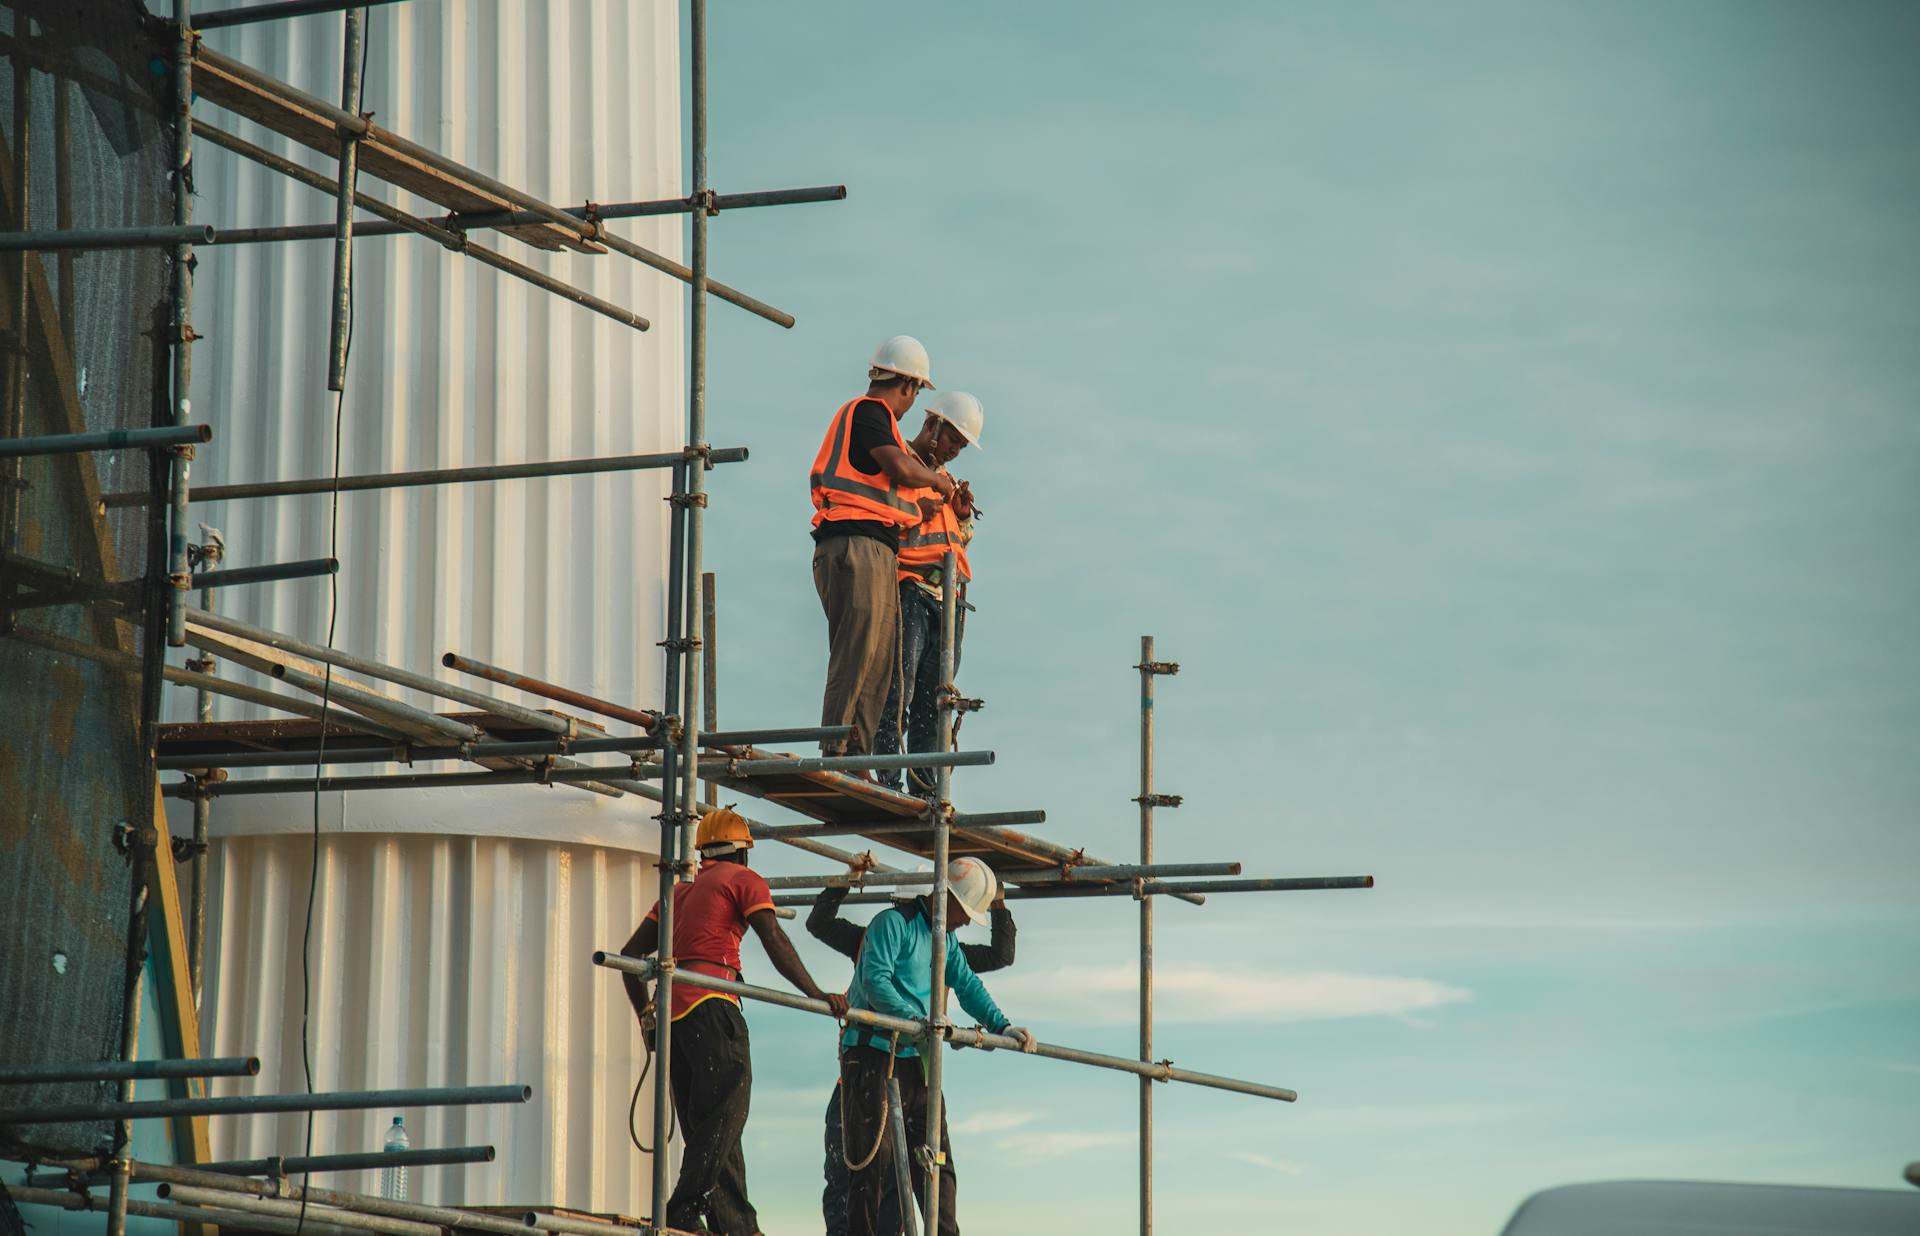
(64, 705)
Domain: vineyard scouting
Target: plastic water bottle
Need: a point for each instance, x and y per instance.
(393, 1180)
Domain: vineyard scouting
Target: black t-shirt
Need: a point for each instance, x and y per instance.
(872, 427)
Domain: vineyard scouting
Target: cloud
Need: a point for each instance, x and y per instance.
(1044, 1145)
(992, 1122)
(1282, 1166)
(1106, 994)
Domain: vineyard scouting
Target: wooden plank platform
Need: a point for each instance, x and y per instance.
(299, 734)
(827, 797)
(225, 82)
(840, 798)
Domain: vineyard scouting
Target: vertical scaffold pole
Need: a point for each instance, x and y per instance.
(696, 470)
(18, 376)
(202, 817)
(1148, 800)
(178, 573)
(710, 667)
(932, 1154)
(669, 866)
(680, 784)
(350, 92)
(1146, 934)
(120, 1177)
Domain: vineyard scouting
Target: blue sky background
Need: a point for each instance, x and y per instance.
(1507, 415)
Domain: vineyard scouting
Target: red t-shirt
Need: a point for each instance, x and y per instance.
(709, 917)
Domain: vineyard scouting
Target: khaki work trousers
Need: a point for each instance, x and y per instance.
(854, 576)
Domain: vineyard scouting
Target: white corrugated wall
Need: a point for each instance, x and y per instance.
(451, 931)
(438, 961)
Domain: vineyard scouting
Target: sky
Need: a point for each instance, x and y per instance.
(1509, 417)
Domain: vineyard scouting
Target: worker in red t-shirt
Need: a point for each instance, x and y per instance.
(712, 1066)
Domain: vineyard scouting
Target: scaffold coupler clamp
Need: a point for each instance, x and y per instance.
(858, 868)
(1139, 888)
(705, 199)
(951, 697)
(590, 215)
(931, 1158)
(126, 837)
(1159, 667)
(667, 728)
(1158, 800)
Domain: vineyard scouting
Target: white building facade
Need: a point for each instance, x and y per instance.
(451, 929)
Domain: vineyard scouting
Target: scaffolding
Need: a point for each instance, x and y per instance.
(341, 710)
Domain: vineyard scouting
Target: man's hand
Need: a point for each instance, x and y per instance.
(944, 486)
(1028, 1043)
(838, 1003)
(929, 507)
(963, 501)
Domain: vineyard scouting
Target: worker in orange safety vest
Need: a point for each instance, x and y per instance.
(868, 491)
(954, 421)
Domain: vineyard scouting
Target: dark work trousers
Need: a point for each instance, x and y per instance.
(712, 1069)
(863, 1086)
(916, 688)
(854, 576)
(833, 1199)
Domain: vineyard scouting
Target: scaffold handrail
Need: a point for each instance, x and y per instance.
(963, 1036)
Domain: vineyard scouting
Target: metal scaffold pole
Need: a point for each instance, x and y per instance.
(696, 444)
(683, 590)
(933, 1154)
(212, 551)
(1148, 800)
(183, 336)
(350, 87)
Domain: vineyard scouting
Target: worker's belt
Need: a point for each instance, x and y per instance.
(882, 1043)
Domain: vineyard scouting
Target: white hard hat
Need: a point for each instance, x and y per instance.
(962, 411)
(906, 356)
(974, 884)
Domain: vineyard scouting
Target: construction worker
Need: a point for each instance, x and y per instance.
(825, 924)
(954, 420)
(868, 489)
(711, 1063)
(894, 975)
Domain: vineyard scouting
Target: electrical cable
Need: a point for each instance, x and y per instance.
(326, 705)
(633, 1107)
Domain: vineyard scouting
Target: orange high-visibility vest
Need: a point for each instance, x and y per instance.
(841, 491)
(925, 546)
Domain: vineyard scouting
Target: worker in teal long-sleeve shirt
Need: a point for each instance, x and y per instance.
(894, 975)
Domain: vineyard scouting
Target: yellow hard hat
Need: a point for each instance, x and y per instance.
(722, 831)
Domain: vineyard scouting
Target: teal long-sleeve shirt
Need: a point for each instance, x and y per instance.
(894, 975)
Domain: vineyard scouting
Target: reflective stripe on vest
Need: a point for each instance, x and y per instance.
(923, 549)
(840, 491)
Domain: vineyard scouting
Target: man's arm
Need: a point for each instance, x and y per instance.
(787, 962)
(972, 993)
(998, 954)
(825, 924)
(905, 469)
(645, 938)
(974, 998)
